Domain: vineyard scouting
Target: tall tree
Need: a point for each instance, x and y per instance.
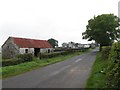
(103, 29)
(53, 42)
(64, 45)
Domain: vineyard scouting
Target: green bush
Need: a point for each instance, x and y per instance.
(54, 54)
(105, 52)
(115, 52)
(113, 70)
(50, 55)
(84, 49)
(21, 58)
(24, 57)
(9, 62)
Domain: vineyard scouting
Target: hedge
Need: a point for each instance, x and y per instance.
(25, 57)
(113, 70)
(9, 62)
(49, 55)
(21, 58)
(105, 52)
(65, 52)
(54, 54)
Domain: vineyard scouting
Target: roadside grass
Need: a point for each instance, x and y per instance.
(97, 78)
(10, 71)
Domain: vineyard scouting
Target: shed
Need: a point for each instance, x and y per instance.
(14, 46)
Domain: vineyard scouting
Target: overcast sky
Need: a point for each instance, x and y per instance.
(63, 20)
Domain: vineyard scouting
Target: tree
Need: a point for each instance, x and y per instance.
(53, 42)
(64, 45)
(103, 29)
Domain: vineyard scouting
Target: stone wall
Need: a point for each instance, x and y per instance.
(9, 49)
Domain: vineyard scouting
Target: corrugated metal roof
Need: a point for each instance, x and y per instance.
(31, 43)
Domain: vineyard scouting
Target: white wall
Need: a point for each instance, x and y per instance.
(30, 50)
(45, 50)
(80, 45)
(86, 46)
(70, 45)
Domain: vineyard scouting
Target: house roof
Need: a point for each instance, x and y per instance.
(31, 43)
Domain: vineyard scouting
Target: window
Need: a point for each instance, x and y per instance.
(26, 50)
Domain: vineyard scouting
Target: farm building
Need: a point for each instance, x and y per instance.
(14, 46)
(74, 45)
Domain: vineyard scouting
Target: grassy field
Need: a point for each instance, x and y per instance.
(9, 71)
(97, 78)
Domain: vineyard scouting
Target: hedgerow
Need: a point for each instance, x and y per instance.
(105, 52)
(21, 58)
(50, 55)
(113, 70)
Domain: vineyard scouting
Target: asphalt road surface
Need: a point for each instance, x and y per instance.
(71, 73)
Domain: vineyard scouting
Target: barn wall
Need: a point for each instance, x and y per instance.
(30, 50)
(46, 50)
(9, 49)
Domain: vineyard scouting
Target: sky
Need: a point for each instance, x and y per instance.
(63, 20)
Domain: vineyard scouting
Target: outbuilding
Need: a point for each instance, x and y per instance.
(14, 46)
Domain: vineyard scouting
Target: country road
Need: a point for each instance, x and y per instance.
(71, 73)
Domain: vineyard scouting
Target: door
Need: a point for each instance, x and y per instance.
(36, 51)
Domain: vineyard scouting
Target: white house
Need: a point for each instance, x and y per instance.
(86, 45)
(71, 45)
(74, 45)
(80, 45)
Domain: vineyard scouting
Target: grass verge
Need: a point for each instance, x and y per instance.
(97, 78)
(9, 71)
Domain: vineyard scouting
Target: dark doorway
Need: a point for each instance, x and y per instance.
(48, 50)
(36, 51)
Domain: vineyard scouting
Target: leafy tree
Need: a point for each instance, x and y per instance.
(53, 42)
(103, 29)
(64, 45)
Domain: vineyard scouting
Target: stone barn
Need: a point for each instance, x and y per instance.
(14, 46)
